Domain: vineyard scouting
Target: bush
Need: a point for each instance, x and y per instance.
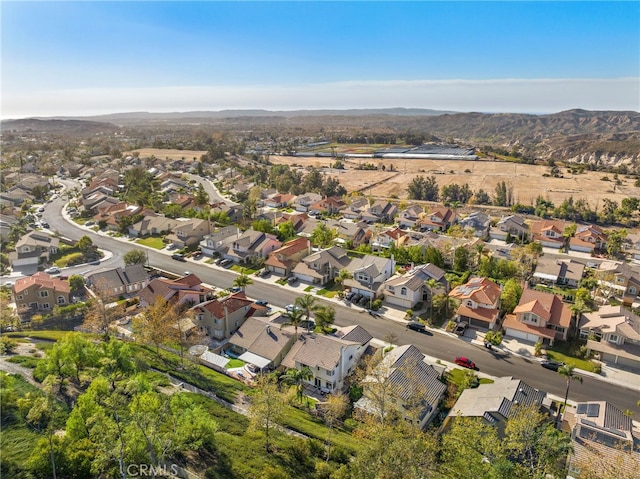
(409, 313)
(538, 349)
(451, 325)
(7, 345)
(376, 305)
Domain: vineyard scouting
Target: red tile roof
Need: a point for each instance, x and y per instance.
(42, 280)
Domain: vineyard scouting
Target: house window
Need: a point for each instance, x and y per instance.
(632, 290)
(613, 338)
(45, 306)
(533, 318)
(19, 296)
(391, 289)
(61, 300)
(44, 294)
(403, 291)
(329, 385)
(26, 293)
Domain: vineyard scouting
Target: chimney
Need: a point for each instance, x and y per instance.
(268, 329)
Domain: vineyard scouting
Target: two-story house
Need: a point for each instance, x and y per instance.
(410, 216)
(185, 290)
(284, 259)
(588, 238)
(303, 202)
(330, 358)
(403, 383)
(190, 232)
(348, 232)
(411, 288)
(355, 210)
(322, 266)
(550, 233)
(279, 200)
(247, 247)
(604, 440)
(380, 212)
(32, 248)
(369, 274)
(439, 219)
(330, 205)
(613, 332)
(479, 302)
(622, 278)
(213, 242)
(558, 272)
(495, 403)
(119, 281)
(394, 237)
(539, 316)
(111, 214)
(152, 225)
(479, 222)
(40, 293)
(510, 226)
(220, 317)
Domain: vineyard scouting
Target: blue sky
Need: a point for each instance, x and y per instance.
(82, 58)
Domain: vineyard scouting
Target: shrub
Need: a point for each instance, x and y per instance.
(451, 325)
(538, 349)
(7, 345)
(409, 313)
(376, 305)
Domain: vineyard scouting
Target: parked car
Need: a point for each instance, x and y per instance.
(460, 328)
(95, 262)
(355, 298)
(262, 302)
(292, 280)
(44, 224)
(291, 307)
(465, 362)
(364, 301)
(178, 257)
(235, 289)
(551, 364)
(263, 273)
(225, 263)
(349, 295)
(416, 326)
(90, 223)
(52, 270)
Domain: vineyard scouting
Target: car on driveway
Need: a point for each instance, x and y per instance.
(551, 364)
(460, 328)
(292, 280)
(262, 302)
(226, 263)
(465, 362)
(416, 326)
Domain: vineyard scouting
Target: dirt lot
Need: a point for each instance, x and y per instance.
(170, 154)
(527, 180)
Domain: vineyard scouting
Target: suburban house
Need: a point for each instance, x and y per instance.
(621, 277)
(550, 233)
(369, 274)
(479, 222)
(329, 205)
(510, 226)
(152, 225)
(233, 212)
(249, 246)
(588, 238)
(411, 288)
(348, 232)
(380, 212)
(411, 383)
(284, 259)
(188, 289)
(539, 316)
(303, 202)
(32, 248)
(439, 219)
(183, 201)
(558, 272)
(410, 216)
(322, 266)
(394, 237)
(613, 332)
(40, 293)
(189, 233)
(212, 243)
(173, 185)
(220, 317)
(495, 403)
(261, 343)
(631, 245)
(119, 281)
(604, 440)
(355, 209)
(279, 200)
(331, 358)
(111, 214)
(479, 301)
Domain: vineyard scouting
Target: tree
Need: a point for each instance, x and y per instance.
(343, 275)
(333, 410)
(84, 244)
(135, 256)
(201, 197)
(76, 283)
(510, 296)
(267, 407)
(504, 194)
(325, 317)
(102, 313)
(421, 188)
(81, 353)
(322, 236)
(286, 231)
(295, 318)
(156, 323)
(306, 303)
(172, 210)
(566, 372)
(264, 225)
(297, 377)
(242, 281)
(461, 259)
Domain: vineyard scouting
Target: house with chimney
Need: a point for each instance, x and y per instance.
(588, 239)
(369, 274)
(440, 218)
(550, 233)
(413, 287)
(189, 233)
(221, 317)
(185, 290)
(40, 293)
(512, 226)
(282, 260)
(479, 300)
(32, 249)
(247, 247)
(322, 266)
(479, 222)
(558, 272)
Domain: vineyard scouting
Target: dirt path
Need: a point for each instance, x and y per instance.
(12, 368)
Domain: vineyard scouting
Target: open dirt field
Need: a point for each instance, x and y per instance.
(170, 154)
(527, 180)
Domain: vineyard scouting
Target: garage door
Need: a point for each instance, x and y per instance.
(514, 333)
(626, 362)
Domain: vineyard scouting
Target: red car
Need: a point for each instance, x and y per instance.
(465, 362)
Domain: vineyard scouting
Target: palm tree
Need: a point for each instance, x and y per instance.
(242, 281)
(325, 316)
(432, 285)
(295, 318)
(306, 303)
(567, 372)
(343, 275)
(296, 377)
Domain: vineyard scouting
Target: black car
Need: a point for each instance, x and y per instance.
(262, 302)
(178, 257)
(349, 295)
(415, 326)
(551, 364)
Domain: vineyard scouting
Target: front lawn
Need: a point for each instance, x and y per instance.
(566, 353)
(69, 260)
(456, 376)
(155, 242)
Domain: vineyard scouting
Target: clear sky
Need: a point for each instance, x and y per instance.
(84, 58)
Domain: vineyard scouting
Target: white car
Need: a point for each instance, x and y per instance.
(52, 270)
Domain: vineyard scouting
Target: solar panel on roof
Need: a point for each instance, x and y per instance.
(593, 410)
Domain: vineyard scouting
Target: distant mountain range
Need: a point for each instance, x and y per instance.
(607, 137)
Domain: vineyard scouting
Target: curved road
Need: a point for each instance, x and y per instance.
(436, 345)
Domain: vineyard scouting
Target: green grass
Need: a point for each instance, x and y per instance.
(26, 361)
(243, 269)
(235, 363)
(456, 376)
(152, 241)
(282, 281)
(308, 289)
(563, 352)
(326, 293)
(46, 335)
(69, 259)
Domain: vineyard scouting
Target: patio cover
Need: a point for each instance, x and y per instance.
(255, 360)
